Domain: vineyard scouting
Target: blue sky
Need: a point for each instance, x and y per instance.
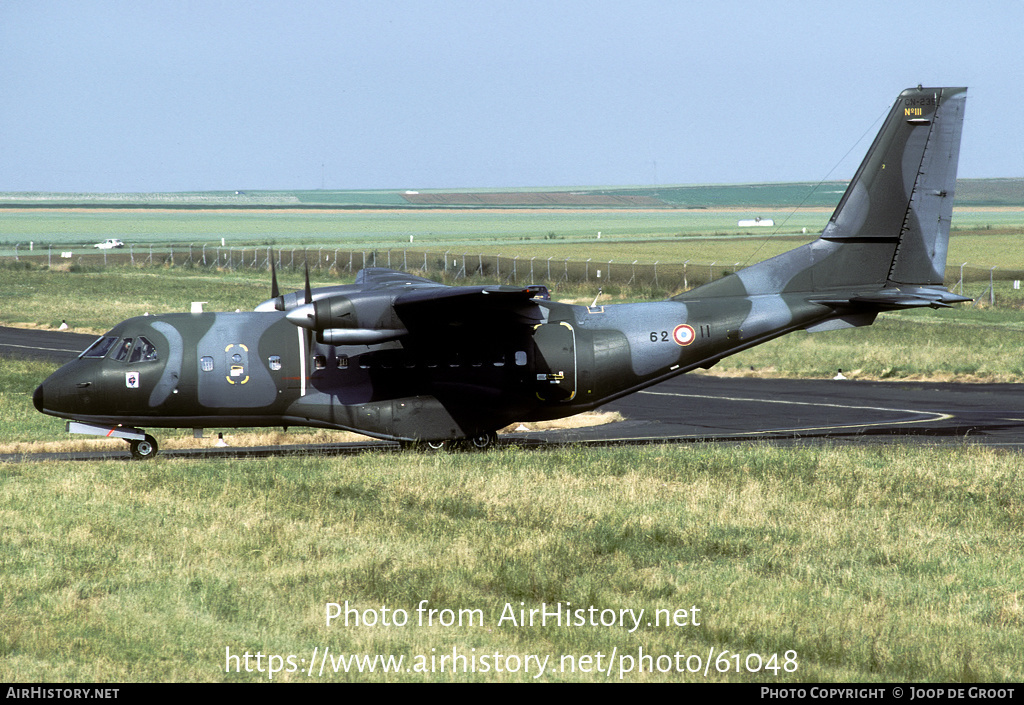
(184, 95)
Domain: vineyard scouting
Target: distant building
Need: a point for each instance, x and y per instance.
(756, 222)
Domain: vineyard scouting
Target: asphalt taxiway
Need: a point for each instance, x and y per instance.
(701, 407)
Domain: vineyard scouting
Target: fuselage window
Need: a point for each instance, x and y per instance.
(101, 347)
(520, 357)
(342, 362)
(144, 351)
(206, 363)
(122, 351)
(320, 362)
(275, 362)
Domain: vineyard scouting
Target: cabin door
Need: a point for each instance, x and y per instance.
(555, 361)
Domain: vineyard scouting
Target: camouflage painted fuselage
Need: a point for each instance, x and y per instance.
(220, 370)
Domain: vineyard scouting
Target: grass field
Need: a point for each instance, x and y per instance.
(775, 565)
(891, 563)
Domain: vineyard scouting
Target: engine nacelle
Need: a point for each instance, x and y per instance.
(351, 319)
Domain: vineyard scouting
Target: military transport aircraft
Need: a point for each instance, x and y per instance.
(400, 357)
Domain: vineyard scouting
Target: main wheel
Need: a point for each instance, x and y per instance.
(144, 449)
(482, 441)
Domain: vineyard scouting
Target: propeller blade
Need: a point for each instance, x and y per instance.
(309, 291)
(275, 290)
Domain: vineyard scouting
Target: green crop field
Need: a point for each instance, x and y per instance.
(374, 219)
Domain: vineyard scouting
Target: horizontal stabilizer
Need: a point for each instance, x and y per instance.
(898, 298)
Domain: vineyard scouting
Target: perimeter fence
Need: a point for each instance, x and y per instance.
(452, 266)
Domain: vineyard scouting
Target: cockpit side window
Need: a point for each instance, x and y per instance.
(101, 347)
(144, 351)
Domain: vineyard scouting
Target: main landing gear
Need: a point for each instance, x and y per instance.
(481, 441)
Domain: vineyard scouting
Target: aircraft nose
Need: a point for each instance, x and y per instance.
(37, 398)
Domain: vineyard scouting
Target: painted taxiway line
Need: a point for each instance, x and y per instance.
(923, 416)
(33, 348)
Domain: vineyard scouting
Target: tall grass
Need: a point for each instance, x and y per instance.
(886, 563)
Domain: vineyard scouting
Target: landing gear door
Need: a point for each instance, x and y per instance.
(555, 361)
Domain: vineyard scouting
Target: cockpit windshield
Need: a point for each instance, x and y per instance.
(101, 347)
(142, 350)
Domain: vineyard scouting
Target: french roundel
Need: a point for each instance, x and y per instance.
(683, 334)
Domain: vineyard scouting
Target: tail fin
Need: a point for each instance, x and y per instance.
(903, 191)
(885, 245)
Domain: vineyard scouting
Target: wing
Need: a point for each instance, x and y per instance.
(386, 305)
(482, 306)
(381, 278)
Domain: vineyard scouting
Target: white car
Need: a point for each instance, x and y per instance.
(109, 244)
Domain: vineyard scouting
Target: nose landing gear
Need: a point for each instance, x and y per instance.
(143, 449)
(142, 445)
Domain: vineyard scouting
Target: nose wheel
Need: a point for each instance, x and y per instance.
(144, 449)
